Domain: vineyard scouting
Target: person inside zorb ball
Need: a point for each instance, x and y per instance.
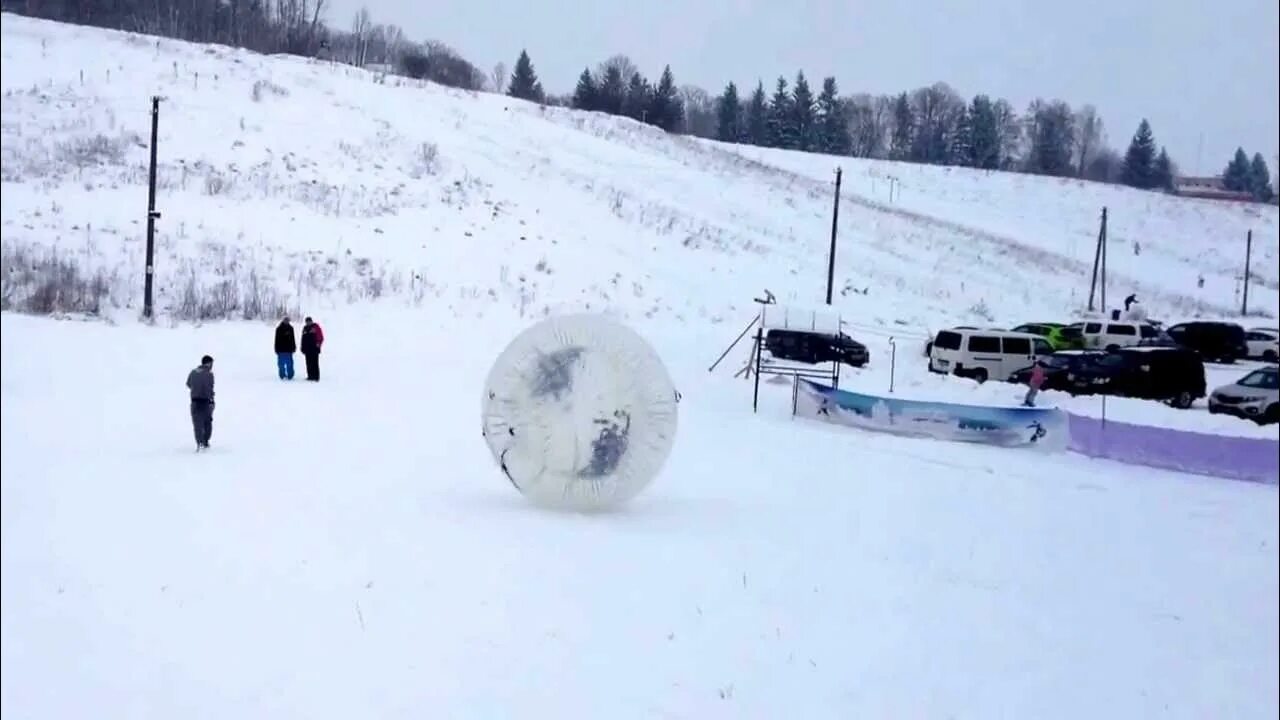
(579, 412)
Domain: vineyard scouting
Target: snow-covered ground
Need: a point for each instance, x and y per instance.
(348, 549)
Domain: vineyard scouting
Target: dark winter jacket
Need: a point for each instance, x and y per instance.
(200, 382)
(286, 342)
(311, 339)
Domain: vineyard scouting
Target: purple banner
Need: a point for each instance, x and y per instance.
(1224, 456)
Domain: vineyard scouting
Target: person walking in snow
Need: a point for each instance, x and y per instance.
(200, 383)
(286, 346)
(312, 340)
(1036, 380)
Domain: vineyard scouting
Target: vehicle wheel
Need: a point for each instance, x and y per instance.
(980, 375)
(1183, 400)
(1272, 415)
(1269, 356)
(1112, 348)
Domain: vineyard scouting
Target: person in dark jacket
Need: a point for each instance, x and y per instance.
(312, 339)
(200, 383)
(286, 346)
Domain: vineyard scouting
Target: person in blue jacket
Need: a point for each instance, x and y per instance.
(286, 346)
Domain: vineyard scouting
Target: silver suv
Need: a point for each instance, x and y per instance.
(1255, 396)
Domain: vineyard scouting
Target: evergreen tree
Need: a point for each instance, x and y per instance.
(833, 121)
(1139, 160)
(803, 126)
(635, 103)
(961, 149)
(611, 92)
(903, 128)
(584, 95)
(780, 133)
(984, 134)
(1260, 179)
(758, 117)
(524, 81)
(665, 109)
(729, 116)
(1237, 176)
(1162, 172)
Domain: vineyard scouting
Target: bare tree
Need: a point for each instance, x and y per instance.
(936, 109)
(361, 27)
(1009, 130)
(869, 119)
(1089, 137)
(626, 68)
(699, 112)
(498, 78)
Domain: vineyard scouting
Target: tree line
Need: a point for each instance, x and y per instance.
(932, 125)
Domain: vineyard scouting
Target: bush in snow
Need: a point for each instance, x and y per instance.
(96, 150)
(230, 296)
(262, 87)
(426, 161)
(44, 282)
(981, 310)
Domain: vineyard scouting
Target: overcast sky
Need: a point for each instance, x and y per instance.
(1203, 72)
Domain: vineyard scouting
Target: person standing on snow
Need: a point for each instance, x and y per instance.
(1036, 380)
(312, 339)
(286, 346)
(200, 383)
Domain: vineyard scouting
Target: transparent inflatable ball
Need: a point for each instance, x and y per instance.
(579, 413)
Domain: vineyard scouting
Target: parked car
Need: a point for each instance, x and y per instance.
(1061, 370)
(816, 347)
(1170, 374)
(1263, 344)
(1113, 334)
(1215, 341)
(983, 354)
(1255, 396)
(1059, 336)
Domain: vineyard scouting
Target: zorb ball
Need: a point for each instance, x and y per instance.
(579, 413)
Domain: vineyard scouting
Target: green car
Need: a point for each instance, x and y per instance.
(1059, 336)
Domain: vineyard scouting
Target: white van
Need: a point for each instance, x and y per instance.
(983, 354)
(1109, 334)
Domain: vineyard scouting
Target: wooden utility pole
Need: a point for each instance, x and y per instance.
(1248, 249)
(152, 215)
(831, 257)
(1099, 256)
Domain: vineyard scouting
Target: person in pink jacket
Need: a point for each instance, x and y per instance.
(1037, 379)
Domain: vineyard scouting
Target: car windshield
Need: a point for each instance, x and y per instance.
(1264, 379)
(1057, 361)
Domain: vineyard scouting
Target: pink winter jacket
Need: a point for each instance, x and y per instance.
(1037, 377)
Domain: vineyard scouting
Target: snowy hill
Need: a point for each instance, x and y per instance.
(335, 184)
(348, 549)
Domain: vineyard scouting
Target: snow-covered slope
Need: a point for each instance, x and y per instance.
(332, 183)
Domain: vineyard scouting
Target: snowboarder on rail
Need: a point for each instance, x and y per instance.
(200, 383)
(312, 340)
(1035, 381)
(286, 346)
